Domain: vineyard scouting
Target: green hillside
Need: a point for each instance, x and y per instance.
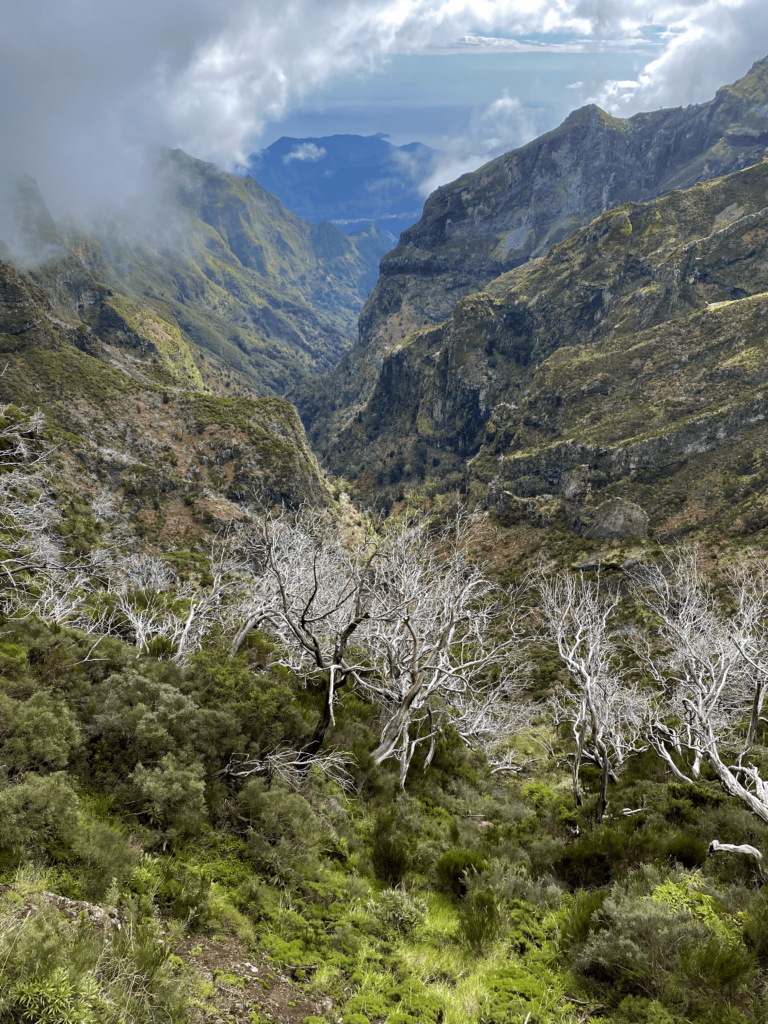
(264, 291)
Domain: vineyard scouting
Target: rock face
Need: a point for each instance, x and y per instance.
(519, 205)
(611, 351)
(615, 519)
(513, 211)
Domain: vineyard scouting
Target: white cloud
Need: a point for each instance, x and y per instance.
(574, 85)
(501, 126)
(707, 45)
(86, 84)
(307, 151)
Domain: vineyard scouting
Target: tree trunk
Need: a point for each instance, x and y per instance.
(577, 797)
(309, 750)
(602, 800)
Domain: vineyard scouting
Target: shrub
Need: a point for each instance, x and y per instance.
(104, 854)
(686, 850)
(718, 965)
(480, 919)
(390, 859)
(38, 734)
(581, 918)
(61, 973)
(639, 945)
(174, 796)
(280, 816)
(755, 928)
(392, 835)
(452, 868)
(142, 719)
(397, 910)
(37, 815)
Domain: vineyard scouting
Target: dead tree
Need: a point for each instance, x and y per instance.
(403, 618)
(313, 595)
(707, 685)
(604, 711)
(443, 642)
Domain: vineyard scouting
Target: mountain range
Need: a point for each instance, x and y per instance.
(548, 260)
(584, 315)
(347, 179)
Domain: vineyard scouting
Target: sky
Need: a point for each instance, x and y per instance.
(89, 87)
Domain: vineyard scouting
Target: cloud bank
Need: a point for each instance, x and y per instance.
(87, 86)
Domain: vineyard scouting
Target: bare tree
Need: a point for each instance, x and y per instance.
(313, 595)
(292, 766)
(27, 510)
(604, 711)
(749, 588)
(404, 618)
(443, 642)
(703, 663)
(150, 603)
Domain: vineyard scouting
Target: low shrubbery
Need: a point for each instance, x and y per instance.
(465, 898)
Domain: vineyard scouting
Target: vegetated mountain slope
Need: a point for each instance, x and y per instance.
(134, 405)
(272, 295)
(348, 179)
(517, 206)
(614, 351)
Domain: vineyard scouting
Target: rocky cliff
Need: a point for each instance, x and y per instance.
(515, 208)
(140, 411)
(635, 347)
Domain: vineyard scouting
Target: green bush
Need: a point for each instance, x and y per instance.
(37, 815)
(38, 734)
(280, 816)
(686, 850)
(56, 972)
(480, 919)
(173, 795)
(452, 868)
(103, 854)
(141, 719)
(396, 910)
(755, 928)
(390, 858)
(639, 945)
(581, 919)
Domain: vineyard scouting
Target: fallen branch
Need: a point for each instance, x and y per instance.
(744, 850)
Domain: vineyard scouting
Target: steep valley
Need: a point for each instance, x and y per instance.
(455, 715)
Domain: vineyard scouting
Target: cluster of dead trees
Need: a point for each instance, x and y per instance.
(669, 663)
(406, 619)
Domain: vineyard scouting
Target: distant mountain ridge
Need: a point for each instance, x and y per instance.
(347, 179)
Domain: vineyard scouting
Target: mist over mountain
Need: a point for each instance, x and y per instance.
(347, 179)
(270, 294)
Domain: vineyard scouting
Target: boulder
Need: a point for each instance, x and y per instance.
(616, 519)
